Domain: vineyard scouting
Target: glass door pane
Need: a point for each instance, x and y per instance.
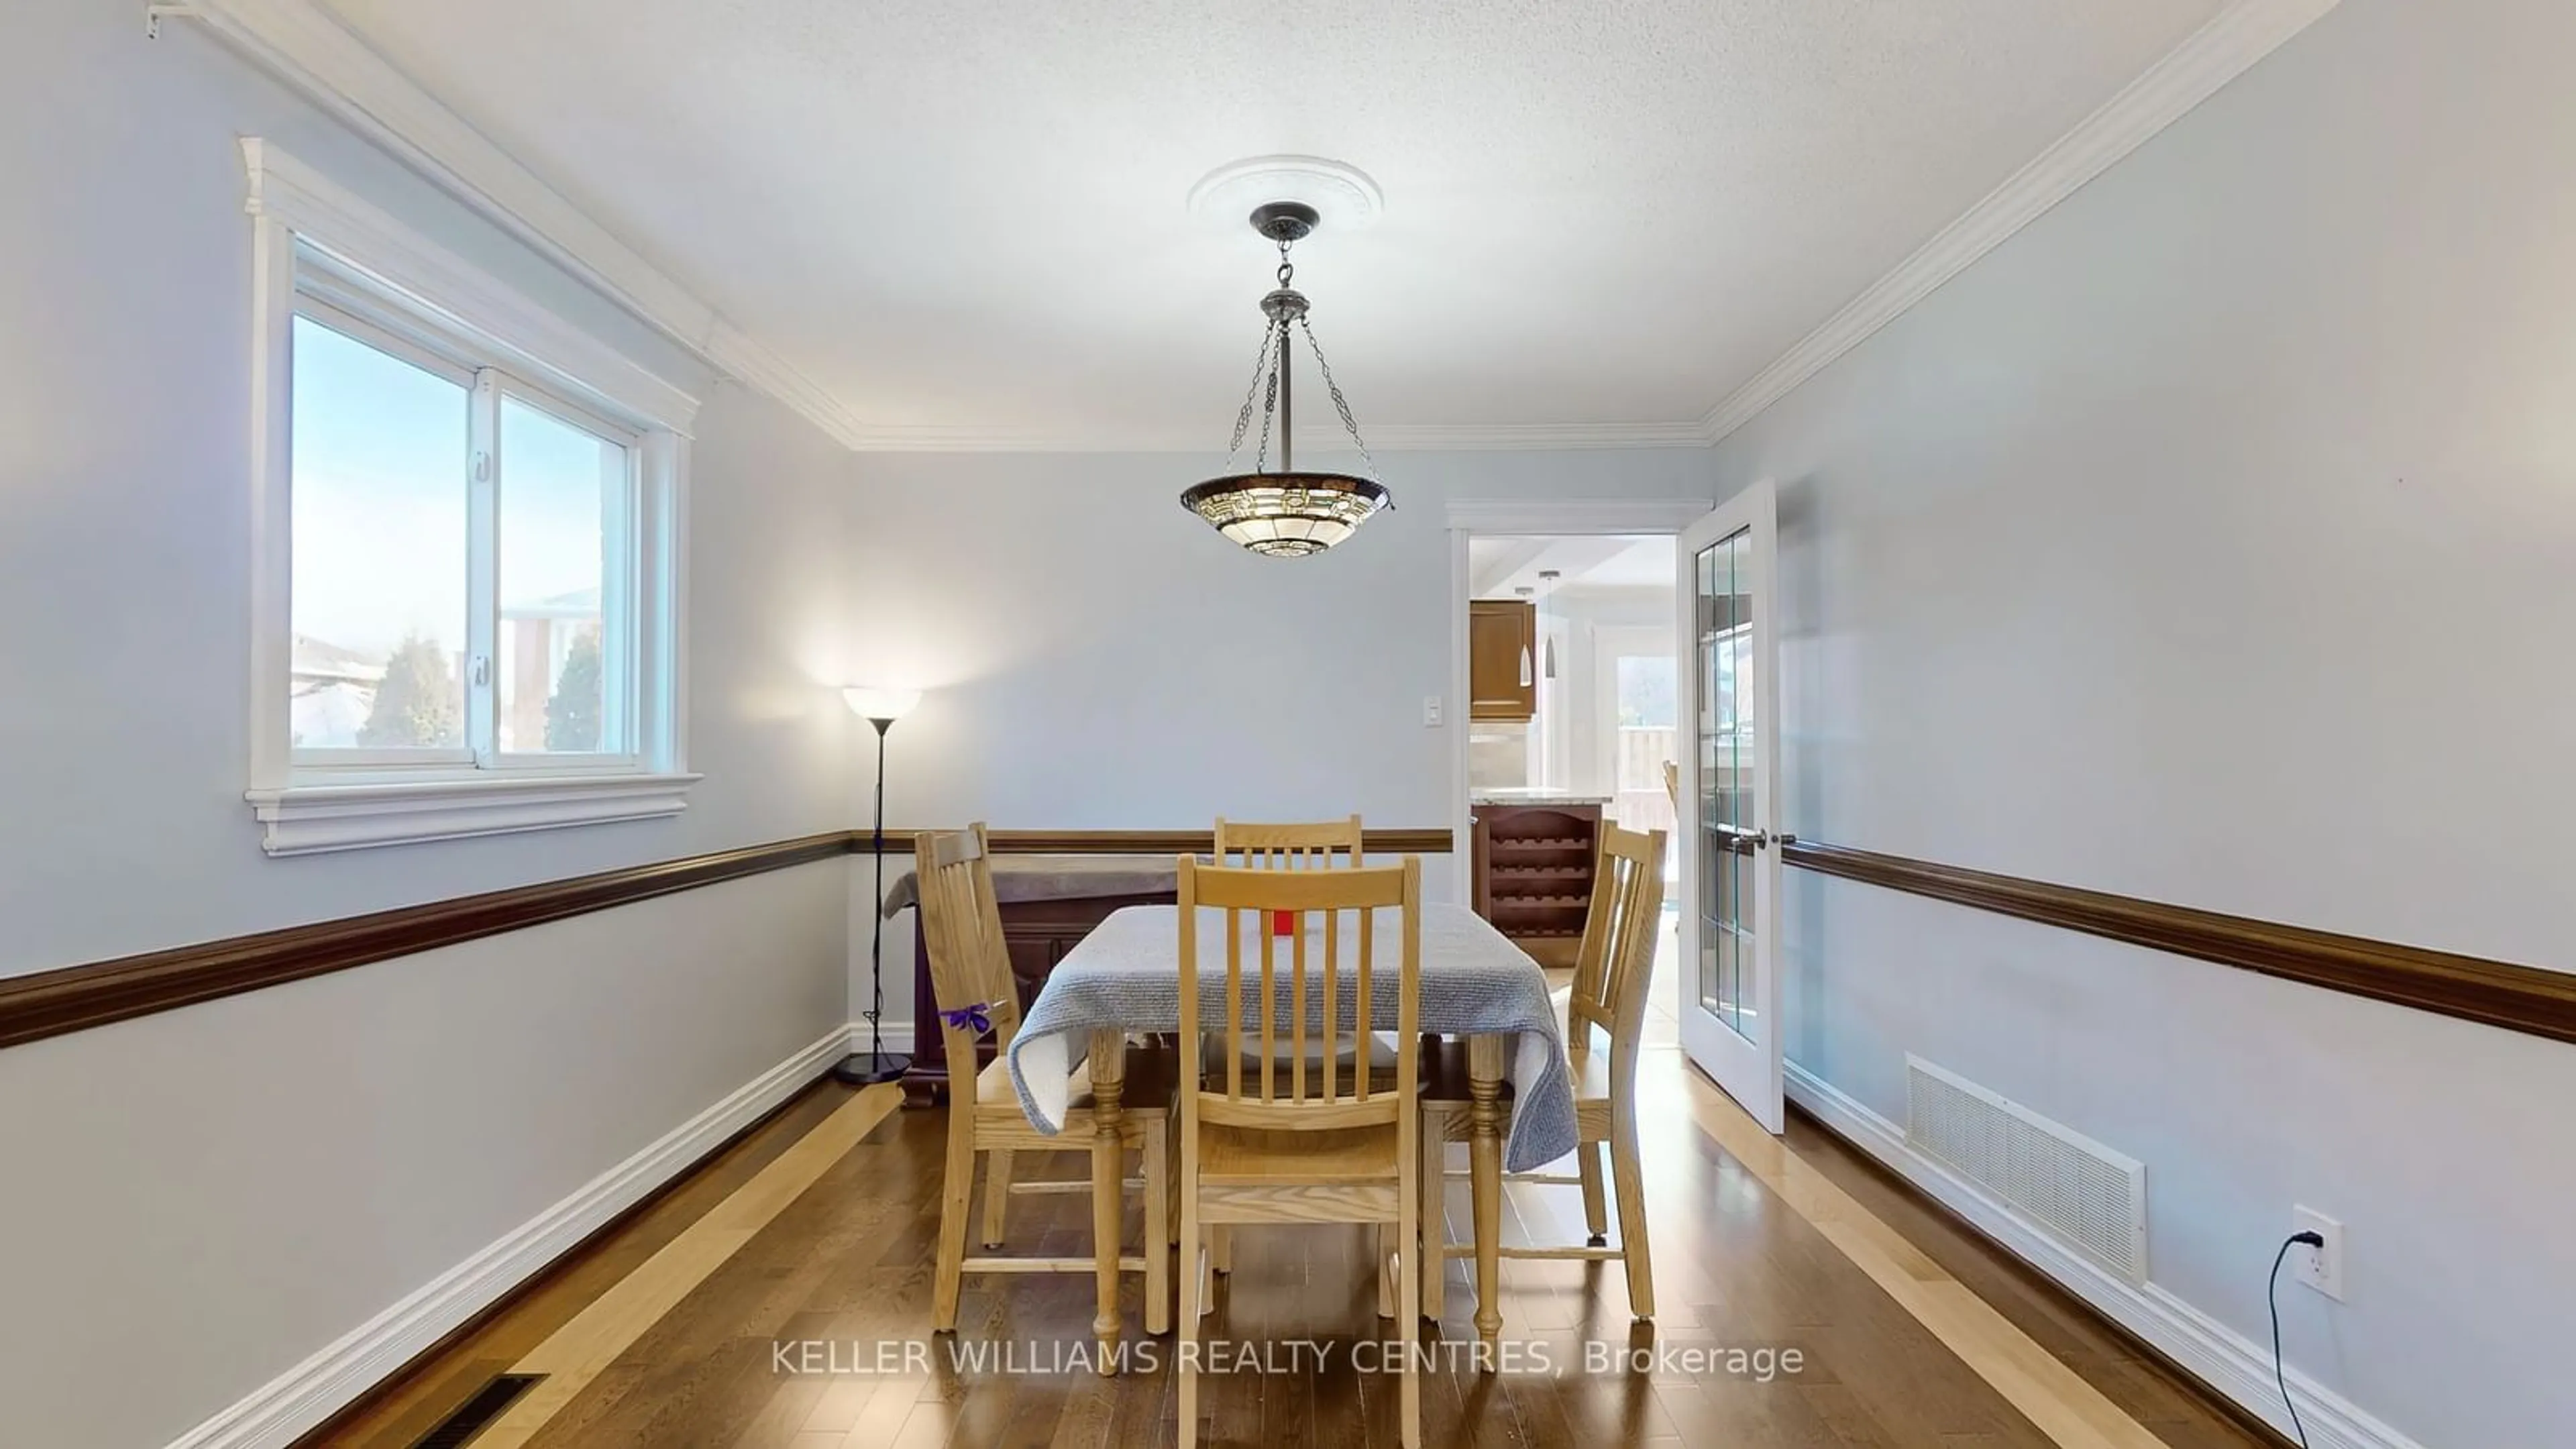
(1725, 745)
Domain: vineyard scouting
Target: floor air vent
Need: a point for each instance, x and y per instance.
(2073, 1188)
(458, 1429)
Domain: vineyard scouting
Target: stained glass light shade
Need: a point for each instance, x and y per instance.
(1286, 515)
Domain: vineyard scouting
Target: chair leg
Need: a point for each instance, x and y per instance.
(997, 1195)
(1158, 1244)
(1386, 1261)
(1628, 1182)
(1221, 1248)
(1108, 1210)
(1172, 1188)
(1434, 1193)
(955, 1200)
(1194, 1294)
(1596, 1212)
(1408, 1271)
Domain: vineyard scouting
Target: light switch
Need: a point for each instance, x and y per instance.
(1431, 711)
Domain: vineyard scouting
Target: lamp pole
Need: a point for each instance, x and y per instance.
(877, 1065)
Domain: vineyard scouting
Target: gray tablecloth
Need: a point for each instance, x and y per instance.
(1125, 976)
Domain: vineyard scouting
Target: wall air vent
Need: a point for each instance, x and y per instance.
(2056, 1179)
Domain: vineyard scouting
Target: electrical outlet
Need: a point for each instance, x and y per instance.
(2319, 1268)
(1431, 711)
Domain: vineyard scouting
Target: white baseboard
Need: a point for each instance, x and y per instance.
(897, 1034)
(313, 1390)
(2210, 1351)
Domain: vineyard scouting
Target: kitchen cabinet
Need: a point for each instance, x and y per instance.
(1502, 659)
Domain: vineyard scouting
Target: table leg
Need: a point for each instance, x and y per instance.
(1485, 1175)
(1108, 1182)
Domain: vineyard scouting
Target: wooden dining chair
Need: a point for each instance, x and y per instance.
(1298, 845)
(970, 973)
(1266, 1139)
(1289, 847)
(1605, 1013)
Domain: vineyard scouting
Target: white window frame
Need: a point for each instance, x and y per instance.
(319, 249)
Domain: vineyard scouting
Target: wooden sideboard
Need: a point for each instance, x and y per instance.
(1038, 930)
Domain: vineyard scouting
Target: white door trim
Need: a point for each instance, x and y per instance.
(1536, 517)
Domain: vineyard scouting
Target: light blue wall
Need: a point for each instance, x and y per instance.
(124, 526)
(198, 1200)
(2211, 541)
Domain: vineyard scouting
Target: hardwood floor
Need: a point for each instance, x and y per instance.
(817, 1232)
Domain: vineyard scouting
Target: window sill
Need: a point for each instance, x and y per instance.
(309, 819)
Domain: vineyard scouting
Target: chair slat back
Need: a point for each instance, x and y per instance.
(1616, 964)
(1322, 845)
(1271, 1079)
(961, 925)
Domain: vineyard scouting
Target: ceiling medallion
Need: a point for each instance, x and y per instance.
(1287, 513)
(1344, 197)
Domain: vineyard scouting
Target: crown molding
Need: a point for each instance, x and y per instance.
(302, 45)
(2234, 39)
(1398, 438)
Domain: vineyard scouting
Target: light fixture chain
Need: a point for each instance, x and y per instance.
(1270, 398)
(1340, 404)
(1252, 391)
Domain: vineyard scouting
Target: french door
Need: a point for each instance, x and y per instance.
(1730, 857)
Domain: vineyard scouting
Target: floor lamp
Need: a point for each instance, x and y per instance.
(879, 707)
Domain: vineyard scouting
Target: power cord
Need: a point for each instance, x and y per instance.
(2272, 1293)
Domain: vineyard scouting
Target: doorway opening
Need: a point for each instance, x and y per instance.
(1591, 710)
(1574, 717)
(1717, 971)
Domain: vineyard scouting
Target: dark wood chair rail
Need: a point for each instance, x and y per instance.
(1154, 842)
(2494, 993)
(76, 998)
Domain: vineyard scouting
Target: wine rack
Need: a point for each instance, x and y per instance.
(1534, 866)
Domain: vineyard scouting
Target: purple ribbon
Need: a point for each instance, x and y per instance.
(972, 1018)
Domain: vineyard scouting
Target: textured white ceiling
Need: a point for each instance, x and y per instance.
(973, 217)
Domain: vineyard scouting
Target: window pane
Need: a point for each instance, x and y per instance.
(562, 509)
(379, 543)
(1646, 691)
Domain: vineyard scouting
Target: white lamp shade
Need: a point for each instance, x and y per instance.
(875, 703)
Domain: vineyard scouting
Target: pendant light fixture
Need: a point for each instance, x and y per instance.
(1287, 513)
(1547, 580)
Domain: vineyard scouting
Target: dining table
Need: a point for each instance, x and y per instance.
(1124, 978)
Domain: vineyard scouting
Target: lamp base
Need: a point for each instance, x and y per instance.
(866, 1069)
